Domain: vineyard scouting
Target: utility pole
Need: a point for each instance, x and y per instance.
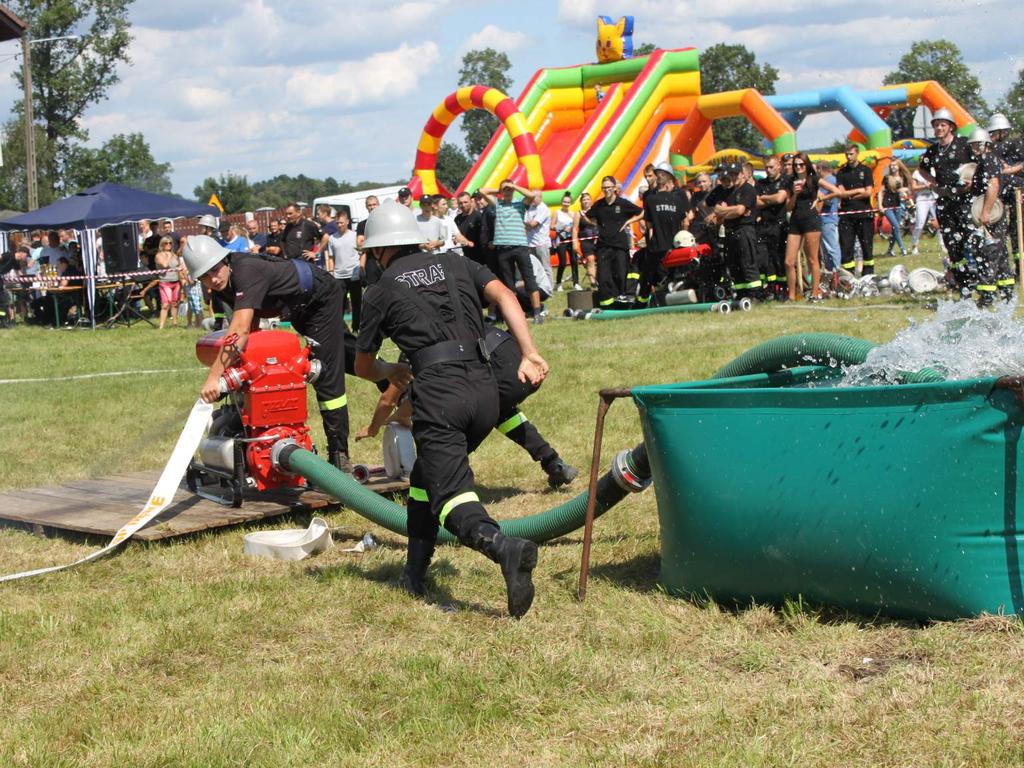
(30, 135)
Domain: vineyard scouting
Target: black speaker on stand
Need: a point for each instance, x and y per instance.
(120, 251)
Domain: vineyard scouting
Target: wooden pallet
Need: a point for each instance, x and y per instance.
(101, 506)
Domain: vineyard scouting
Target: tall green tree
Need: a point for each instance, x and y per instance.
(233, 190)
(490, 68)
(13, 185)
(452, 165)
(643, 49)
(726, 67)
(942, 61)
(1012, 104)
(68, 76)
(123, 159)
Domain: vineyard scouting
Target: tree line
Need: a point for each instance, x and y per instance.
(69, 76)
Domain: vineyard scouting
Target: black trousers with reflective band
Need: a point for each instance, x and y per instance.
(321, 320)
(854, 229)
(454, 407)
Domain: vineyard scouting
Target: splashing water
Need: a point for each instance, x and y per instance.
(960, 342)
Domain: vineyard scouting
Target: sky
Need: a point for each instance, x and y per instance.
(265, 87)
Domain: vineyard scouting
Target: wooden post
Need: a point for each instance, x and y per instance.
(1020, 236)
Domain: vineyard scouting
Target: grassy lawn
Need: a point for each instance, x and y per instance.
(188, 653)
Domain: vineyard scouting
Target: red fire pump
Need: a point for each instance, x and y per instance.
(266, 403)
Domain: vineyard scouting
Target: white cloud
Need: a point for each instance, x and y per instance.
(494, 37)
(381, 77)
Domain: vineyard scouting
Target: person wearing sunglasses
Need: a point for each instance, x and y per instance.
(804, 224)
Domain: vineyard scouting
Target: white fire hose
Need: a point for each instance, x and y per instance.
(159, 499)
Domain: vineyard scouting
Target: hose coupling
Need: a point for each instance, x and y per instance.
(630, 474)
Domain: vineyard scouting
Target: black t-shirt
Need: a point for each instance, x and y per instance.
(989, 167)
(854, 177)
(610, 218)
(774, 213)
(301, 236)
(471, 227)
(807, 195)
(266, 285)
(392, 310)
(665, 211)
(943, 162)
(741, 194)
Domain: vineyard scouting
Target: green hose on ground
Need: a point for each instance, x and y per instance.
(630, 473)
(620, 314)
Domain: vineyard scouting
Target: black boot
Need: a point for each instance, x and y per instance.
(417, 560)
(560, 473)
(340, 460)
(517, 558)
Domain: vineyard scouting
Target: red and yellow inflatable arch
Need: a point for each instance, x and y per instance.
(528, 174)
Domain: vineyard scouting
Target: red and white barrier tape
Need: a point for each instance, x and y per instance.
(159, 499)
(53, 280)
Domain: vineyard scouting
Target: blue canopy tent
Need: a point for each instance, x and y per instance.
(100, 206)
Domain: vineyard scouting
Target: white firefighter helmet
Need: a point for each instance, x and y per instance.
(391, 223)
(979, 136)
(208, 220)
(202, 253)
(684, 239)
(998, 123)
(943, 114)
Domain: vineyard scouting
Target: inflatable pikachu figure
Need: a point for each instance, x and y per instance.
(614, 39)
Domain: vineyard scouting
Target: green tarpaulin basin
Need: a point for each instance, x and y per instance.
(894, 500)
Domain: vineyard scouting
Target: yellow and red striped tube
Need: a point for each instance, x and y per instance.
(499, 105)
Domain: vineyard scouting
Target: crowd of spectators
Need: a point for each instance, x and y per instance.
(764, 226)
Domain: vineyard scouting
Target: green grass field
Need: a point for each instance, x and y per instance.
(189, 653)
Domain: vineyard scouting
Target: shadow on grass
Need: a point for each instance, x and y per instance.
(387, 574)
(639, 574)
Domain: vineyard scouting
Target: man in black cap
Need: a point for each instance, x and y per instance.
(405, 197)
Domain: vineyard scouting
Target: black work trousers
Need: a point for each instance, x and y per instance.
(454, 407)
(741, 260)
(511, 393)
(321, 320)
(954, 215)
(651, 273)
(771, 255)
(612, 266)
(853, 229)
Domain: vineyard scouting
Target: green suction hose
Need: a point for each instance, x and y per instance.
(799, 349)
(630, 472)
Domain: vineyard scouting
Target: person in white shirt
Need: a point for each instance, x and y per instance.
(538, 233)
(343, 261)
(925, 200)
(432, 227)
(447, 217)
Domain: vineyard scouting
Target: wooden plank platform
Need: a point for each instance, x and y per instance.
(101, 506)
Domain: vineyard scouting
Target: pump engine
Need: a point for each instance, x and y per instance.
(265, 403)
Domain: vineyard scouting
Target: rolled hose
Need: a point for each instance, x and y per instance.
(799, 349)
(622, 314)
(630, 473)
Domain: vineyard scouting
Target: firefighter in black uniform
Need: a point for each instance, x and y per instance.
(429, 304)
(940, 168)
(856, 220)
(736, 213)
(988, 236)
(666, 211)
(1011, 153)
(256, 286)
(512, 422)
(771, 221)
